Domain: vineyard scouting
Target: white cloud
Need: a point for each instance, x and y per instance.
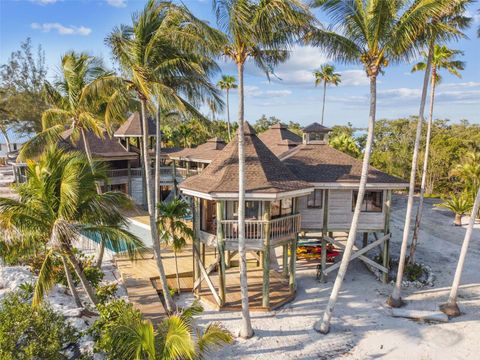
(61, 29)
(255, 91)
(251, 90)
(278, 93)
(299, 68)
(117, 3)
(354, 78)
(451, 93)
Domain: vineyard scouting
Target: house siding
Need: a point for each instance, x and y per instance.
(340, 214)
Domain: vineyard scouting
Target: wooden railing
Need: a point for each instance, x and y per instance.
(166, 172)
(184, 172)
(255, 229)
(284, 226)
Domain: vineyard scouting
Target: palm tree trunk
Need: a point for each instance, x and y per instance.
(323, 326)
(451, 307)
(324, 95)
(395, 299)
(70, 283)
(228, 117)
(88, 152)
(246, 330)
(418, 216)
(151, 211)
(158, 151)
(176, 270)
(79, 271)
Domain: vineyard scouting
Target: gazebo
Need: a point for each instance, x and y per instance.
(272, 221)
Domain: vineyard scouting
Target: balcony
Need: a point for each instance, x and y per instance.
(283, 228)
(166, 173)
(184, 172)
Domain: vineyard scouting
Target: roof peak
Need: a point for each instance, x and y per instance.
(316, 127)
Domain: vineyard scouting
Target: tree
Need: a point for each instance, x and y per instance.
(374, 33)
(124, 334)
(442, 58)
(264, 123)
(260, 31)
(56, 205)
(73, 106)
(469, 172)
(327, 75)
(172, 228)
(450, 307)
(162, 60)
(228, 82)
(459, 204)
(346, 144)
(21, 87)
(438, 27)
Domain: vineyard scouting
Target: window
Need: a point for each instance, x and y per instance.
(208, 221)
(315, 199)
(372, 201)
(252, 210)
(316, 136)
(281, 208)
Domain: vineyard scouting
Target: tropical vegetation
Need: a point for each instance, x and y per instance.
(124, 334)
(326, 75)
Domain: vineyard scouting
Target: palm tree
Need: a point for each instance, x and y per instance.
(458, 204)
(374, 33)
(327, 75)
(73, 106)
(441, 59)
(260, 31)
(451, 308)
(442, 25)
(163, 56)
(133, 337)
(172, 228)
(56, 205)
(228, 82)
(469, 172)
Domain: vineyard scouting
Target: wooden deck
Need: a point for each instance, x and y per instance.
(141, 276)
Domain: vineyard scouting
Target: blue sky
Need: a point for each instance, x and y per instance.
(62, 25)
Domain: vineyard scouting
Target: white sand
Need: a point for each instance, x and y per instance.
(361, 326)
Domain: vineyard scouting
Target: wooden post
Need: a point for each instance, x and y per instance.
(221, 251)
(228, 259)
(323, 266)
(285, 260)
(293, 264)
(266, 256)
(386, 244)
(365, 239)
(196, 242)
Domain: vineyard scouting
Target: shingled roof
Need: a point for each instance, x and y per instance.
(279, 139)
(133, 127)
(315, 127)
(320, 163)
(264, 172)
(202, 153)
(105, 149)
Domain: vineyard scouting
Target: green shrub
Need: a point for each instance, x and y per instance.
(27, 333)
(106, 293)
(413, 272)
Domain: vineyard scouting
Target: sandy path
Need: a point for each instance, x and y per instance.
(361, 327)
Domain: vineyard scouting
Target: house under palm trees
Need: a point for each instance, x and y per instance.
(295, 189)
(298, 190)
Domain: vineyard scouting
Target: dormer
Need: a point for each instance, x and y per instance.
(315, 134)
